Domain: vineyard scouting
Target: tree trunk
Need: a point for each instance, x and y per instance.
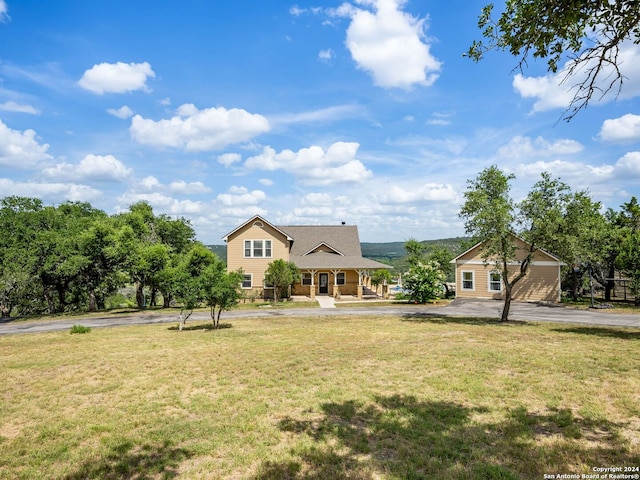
(610, 284)
(154, 294)
(93, 303)
(140, 294)
(166, 299)
(507, 304)
(574, 284)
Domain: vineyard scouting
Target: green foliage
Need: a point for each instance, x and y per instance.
(381, 277)
(424, 282)
(587, 33)
(281, 275)
(80, 329)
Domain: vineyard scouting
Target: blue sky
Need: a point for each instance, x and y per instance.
(306, 113)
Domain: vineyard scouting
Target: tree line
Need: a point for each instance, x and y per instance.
(73, 257)
(593, 242)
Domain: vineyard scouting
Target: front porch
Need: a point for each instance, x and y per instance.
(336, 283)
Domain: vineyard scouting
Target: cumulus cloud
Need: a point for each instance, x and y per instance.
(525, 147)
(104, 168)
(389, 44)
(21, 149)
(629, 165)
(557, 90)
(241, 196)
(314, 165)
(428, 192)
(182, 187)
(199, 130)
(623, 129)
(163, 203)
(4, 11)
(122, 112)
(325, 55)
(117, 77)
(228, 159)
(12, 106)
(51, 191)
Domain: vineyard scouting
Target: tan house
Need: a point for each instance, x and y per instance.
(476, 278)
(329, 257)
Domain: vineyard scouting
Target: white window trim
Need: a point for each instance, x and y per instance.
(344, 277)
(250, 275)
(489, 282)
(253, 248)
(473, 280)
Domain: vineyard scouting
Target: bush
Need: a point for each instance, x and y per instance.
(80, 329)
(424, 282)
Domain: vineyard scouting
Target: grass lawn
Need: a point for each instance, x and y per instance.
(321, 398)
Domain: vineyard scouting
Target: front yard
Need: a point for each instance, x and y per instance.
(324, 397)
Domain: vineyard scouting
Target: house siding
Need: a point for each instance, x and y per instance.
(542, 282)
(255, 266)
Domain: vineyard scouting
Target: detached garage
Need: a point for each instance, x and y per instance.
(477, 278)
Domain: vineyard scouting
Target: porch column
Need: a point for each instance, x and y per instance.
(336, 289)
(312, 288)
(360, 287)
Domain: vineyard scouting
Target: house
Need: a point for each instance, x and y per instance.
(477, 278)
(329, 257)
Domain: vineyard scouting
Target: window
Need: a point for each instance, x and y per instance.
(247, 280)
(340, 278)
(495, 282)
(306, 279)
(467, 280)
(257, 249)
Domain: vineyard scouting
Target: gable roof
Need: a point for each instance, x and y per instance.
(541, 250)
(255, 218)
(341, 238)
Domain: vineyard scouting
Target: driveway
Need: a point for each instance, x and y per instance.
(531, 312)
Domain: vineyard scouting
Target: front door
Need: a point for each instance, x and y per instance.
(324, 283)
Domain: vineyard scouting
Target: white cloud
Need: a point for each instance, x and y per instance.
(325, 55)
(182, 187)
(163, 203)
(297, 11)
(557, 90)
(12, 106)
(21, 149)
(524, 147)
(629, 165)
(241, 196)
(104, 168)
(4, 11)
(228, 159)
(623, 129)
(328, 114)
(116, 77)
(122, 112)
(428, 192)
(389, 44)
(150, 183)
(314, 165)
(52, 191)
(267, 182)
(165, 101)
(199, 130)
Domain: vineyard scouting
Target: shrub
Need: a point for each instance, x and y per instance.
(80, 329)
(424, 282)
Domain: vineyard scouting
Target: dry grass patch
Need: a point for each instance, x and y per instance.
(322, 397)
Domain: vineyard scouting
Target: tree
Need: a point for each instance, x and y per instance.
(629, 254)
(281, 275)
(588, 33)
(381, 276)
(489, 214)
(221, 289)
(424, 282)
(415, 251)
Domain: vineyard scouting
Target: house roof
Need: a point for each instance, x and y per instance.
(477, 245)
(320, 260)
(255, 218)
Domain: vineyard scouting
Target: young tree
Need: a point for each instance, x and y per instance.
(589, 34)
(424, 282)
(281, 275)
(381, 276)
(489, 214)
(221, 289)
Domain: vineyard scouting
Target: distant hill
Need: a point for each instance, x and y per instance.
(391, 253)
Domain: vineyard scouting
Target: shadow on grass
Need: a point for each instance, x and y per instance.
(402, 437)
(201, 326)
(127, 460)
(602, 332)
(430, 317)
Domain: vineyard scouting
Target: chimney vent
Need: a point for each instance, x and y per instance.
(344, 223)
